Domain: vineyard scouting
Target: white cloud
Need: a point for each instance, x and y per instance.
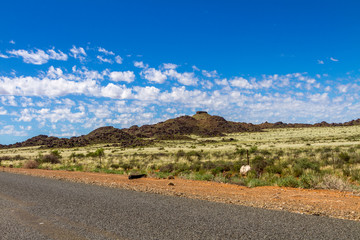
(10, 130)
(241, 82)
(54, 72)
(343, 88)
(78, 53)
(3, 56)
(169, 66)
(106, 52)
(334, 60)
(8, 101)
(3, 111)
(32, 86)
(195, 68)
(106, 60)
(118, 60)
(140, 64)
(153, 75)
(147, 93)
(222, 82)
(186, 78)
(320, 61)
(126, 76)
(209, 74)
(38, 57)
(12, 42)
(318, 97)
(116, 91)
(57, 55)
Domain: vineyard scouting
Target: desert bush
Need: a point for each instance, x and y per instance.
(115, 166)
(344, 157)
(309, 181)
(240, 151)
(305, 163)
(259, 164)
(274, 169)
(289, 181)
(297, 170)
(253, 149)
(255, 182)
(31, 164)
(355, 175)
(333, 182)
(50, 158)
(167, 168)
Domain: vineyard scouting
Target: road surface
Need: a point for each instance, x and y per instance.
(42, 208)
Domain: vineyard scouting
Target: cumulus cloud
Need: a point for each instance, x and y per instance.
(140, 64)
(57, 55)
(10, 130)
(209, 74)
(106, 52)
(186, 78)
(38, 57)
(334, 59)
(8, 101)
(12, 42)
(126, 76)
(78, 53)
(118, 60)
(241, 82)
(54, 72)
(116, 91)
(51, 115)
(153, 75)
(320, 61)
(3, 111)
(106, 60)
(169, 66)
(147, 93)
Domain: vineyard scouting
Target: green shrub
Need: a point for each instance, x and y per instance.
(274, 169)
(309, 181)
(253, 149)
(115, 166)
(259, 164)
(289, 181)
(305, 163)
(344, 157)
(297, 170)
(355, 175)
(255, 182)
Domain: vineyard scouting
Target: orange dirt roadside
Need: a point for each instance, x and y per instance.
(331, 203)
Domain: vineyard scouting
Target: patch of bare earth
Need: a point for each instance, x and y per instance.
(345, 205)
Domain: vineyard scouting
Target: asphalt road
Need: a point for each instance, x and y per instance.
(40, 208)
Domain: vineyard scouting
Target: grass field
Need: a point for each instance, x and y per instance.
(327, 157)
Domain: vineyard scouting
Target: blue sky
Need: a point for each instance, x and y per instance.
(68, 67)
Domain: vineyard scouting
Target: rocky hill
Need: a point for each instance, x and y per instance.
(201, 124)
(100, 135)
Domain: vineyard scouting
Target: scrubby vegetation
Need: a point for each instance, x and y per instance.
(327, 157)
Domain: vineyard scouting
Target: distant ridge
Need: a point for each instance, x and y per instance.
(201, 124)
(100, 135)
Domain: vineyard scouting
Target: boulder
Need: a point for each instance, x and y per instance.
(245, 169)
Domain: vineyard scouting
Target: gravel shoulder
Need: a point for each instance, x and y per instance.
(336, 204)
